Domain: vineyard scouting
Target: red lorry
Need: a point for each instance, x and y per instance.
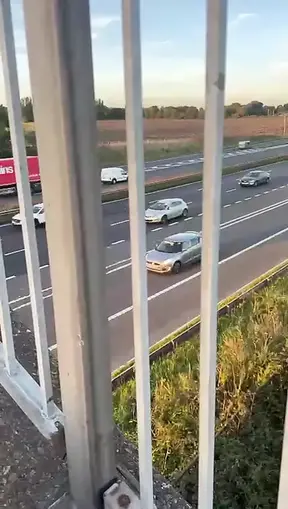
(8, 177)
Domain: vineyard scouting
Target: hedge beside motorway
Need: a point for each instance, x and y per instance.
(150, 187)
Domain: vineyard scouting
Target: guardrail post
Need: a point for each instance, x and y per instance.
(213, 148)
(60, 61)
(5, 320)
(25, 202)
(136, 186)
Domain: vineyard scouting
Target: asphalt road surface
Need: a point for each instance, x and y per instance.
(254, 237)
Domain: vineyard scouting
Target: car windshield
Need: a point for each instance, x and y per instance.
(158, 206)
(37, 208)
(253, 174)
(167, 246)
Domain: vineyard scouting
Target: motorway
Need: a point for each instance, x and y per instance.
(254, 237)
(185, 165)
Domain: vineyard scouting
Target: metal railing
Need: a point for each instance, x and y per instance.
(60, 62)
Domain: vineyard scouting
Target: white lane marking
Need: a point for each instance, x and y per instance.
(231, 190)
(170, 288)
(120, 222)
(117, 263)
(282, 187)
(226, 206)
(200, 189)
(188, 218)
(117, 242)
(44, 266)
(52, 347)
(199, 215)
(172, 224)
(275, 189)
(25, 297)
(239, 201)
(10, 277)
(189, 202)
(118, 268)
(5, 225)
(249, 198)
(266, 192)
(257, 195)
(156, 229)
(10, 253)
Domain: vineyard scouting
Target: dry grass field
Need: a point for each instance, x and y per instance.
(156, 130)
(171, 138)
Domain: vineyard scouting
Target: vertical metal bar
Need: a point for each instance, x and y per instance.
(5, 319)
(134, 130)
(25, 202)
(283, 482)
(213, 147)
(60, 61)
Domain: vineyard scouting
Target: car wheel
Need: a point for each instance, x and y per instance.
(176, 267)
(164, 220)
(267, 180)
(113, 181)
(185, 213)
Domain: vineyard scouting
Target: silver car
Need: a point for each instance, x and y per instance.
(161, 211)
(174, 252)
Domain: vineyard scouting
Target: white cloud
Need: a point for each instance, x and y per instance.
(241, 17)
(99, 23)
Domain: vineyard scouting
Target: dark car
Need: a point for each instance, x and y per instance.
(255, 178)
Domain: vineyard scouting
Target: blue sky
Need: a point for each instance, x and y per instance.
(173, 51)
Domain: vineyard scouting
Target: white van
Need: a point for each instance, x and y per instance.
(244, 144)
(113, 175)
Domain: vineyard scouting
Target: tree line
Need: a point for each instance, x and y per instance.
(234, 110)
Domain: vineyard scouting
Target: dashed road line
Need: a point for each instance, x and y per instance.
(226, 206)
(248, 198)
(256, 195)
(199, 215)
(200, 189)
(188, 218)
(117, 242)
(120, 222)
(238, 201)
(231, 190)
(173, 224)
(157, 229)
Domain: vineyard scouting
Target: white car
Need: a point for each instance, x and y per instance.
(113, 175)
(38, 214)
(161, 211)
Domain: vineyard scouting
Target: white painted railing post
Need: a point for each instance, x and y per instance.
(213, 147)
(25, 202)
(134, 131)
(5, 320)
(283, 482)
(60, 61)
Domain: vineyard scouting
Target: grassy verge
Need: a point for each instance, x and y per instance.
(153, 152)
(252, 378)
